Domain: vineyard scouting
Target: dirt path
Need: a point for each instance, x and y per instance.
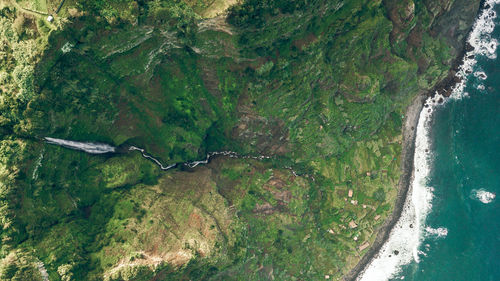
(27, 11)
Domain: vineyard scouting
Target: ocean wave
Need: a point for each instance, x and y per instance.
(482, 195)
(437, 232)
(402, 246)
(405, 238)
(483, 46)
(480, 75)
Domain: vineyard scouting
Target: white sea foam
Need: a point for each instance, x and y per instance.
(484, 46)
(482, 195)
(436, 232)
(481, 75)
(406, 237)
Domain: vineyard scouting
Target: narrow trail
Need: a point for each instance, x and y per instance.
(28, 11)
(35, 12)
(60, 6)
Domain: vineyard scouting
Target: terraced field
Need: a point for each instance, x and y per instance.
(319, 86)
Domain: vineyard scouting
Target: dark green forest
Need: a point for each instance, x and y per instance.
(319, 87)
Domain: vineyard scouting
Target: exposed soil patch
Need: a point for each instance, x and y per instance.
(268, 135)
(306, 41)
(265, 209)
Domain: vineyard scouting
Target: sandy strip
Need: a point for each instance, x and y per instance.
(407, 165)
(408, 152)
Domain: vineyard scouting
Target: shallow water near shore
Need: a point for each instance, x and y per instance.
(449, 226)
(460, 239)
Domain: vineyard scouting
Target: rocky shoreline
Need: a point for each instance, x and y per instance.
(408, 151)
(444, 87)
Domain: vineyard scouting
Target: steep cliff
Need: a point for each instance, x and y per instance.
(320, 87)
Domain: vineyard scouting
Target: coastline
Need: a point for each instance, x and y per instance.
(443, 87)
(407, 154)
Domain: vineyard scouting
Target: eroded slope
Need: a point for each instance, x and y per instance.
(320, 86)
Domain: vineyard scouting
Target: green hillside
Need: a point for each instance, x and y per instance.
(319, 86)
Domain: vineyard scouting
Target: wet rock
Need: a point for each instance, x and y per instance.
(468, 47)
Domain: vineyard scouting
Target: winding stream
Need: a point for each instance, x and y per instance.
(102, 148)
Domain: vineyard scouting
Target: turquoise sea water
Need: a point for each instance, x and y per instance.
(465, 136)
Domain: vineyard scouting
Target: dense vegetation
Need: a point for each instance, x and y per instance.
(320, 86)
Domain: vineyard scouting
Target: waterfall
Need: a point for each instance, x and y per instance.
(101, 148)
(89, 147)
